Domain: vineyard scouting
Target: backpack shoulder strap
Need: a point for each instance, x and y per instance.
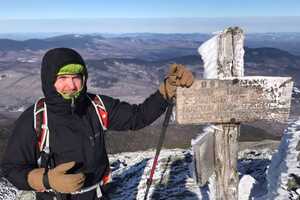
(41, 123)
(100, 110)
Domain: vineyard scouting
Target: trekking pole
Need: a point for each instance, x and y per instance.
(159, 145)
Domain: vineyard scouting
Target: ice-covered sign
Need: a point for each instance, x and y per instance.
(227, 98)
(241, 99)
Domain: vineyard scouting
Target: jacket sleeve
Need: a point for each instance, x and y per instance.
(20, 154)
(125, 116)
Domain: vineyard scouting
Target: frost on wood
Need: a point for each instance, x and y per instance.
(236, 99)
(209, 54)
(238, 52)
(278, 90)
(223, 55)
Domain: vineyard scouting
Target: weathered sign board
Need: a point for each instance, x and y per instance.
(235, 100)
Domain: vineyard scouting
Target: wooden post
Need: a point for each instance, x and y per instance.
(226, 149)
(230, 59)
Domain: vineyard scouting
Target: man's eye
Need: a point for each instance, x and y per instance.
(61, 78)
(77, 78)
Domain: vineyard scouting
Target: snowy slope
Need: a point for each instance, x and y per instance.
(284, 163)
(173, 177)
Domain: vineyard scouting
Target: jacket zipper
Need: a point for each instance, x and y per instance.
(72, 105)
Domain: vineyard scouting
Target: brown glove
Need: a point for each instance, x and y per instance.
(35, 179)
(178, 75)
(65, 183)
(58, 179)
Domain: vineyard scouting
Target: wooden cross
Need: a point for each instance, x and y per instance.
(227, 99)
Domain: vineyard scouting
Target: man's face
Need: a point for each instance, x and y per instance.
(68, 84)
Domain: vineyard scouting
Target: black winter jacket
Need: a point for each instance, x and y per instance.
(75, 135)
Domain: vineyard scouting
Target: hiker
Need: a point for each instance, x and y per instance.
(57, 147)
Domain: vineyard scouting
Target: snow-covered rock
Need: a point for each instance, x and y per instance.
(296, 90)
(245, 186)
(284, 163)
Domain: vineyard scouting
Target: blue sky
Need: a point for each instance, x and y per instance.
(16, 14)
(40, 9)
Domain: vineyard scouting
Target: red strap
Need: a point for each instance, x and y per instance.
(40, 122)
(104, 117)
(100, 109)
(106, 177)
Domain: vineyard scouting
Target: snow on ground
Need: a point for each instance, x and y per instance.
(296, 95)
(173, 178)
(7, 191)
(246, 183)
(284, 163)
(296, 90)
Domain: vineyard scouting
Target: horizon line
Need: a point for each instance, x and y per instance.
(143, 18)
(57, 33)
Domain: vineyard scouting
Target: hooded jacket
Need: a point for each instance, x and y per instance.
(75, 132)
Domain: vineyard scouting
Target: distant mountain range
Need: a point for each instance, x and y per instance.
(285, 41)
(130, 66)
(258, 61)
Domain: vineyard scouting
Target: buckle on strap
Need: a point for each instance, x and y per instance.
(87, 189)
(90, 188)
(98, 191)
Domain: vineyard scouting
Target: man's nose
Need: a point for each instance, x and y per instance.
(71, 84)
